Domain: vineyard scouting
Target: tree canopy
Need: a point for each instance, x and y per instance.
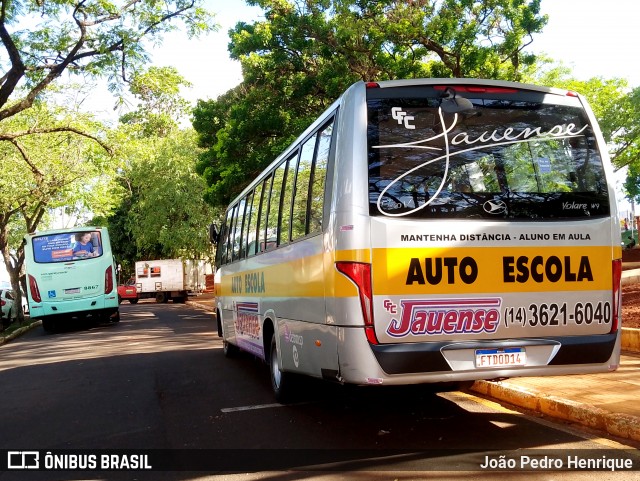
(304, 54)
(161, 213)
(94, 38)
(617, 108)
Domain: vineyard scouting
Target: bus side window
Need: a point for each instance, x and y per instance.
(244, 225)
(264, 210)
(274, 209)
(238, 216)
(287, 195)
(301, 194)
(252, 235)
(318, 180)
(224, 255)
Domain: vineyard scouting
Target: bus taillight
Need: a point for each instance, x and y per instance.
(617, 293)
(108, 280)
(360, 274)
(35, 292)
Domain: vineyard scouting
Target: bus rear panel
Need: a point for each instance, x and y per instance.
(71, 274)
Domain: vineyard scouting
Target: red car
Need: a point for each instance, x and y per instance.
(128, 292)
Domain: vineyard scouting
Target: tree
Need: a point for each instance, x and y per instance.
(162, 212)
(306, 53)
(169, 217)
(91, 38)
(42, 171)
(158, 90)
(617, 109)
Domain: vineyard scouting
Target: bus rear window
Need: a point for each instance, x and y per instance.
(513, 155)
(67, 247)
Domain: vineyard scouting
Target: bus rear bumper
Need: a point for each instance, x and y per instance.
(101, 307)
(414, 363)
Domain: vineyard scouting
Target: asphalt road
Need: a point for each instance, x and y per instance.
(158, 380)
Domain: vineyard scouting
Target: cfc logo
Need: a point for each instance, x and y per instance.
(402, 118)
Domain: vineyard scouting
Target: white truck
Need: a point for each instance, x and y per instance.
(171, 279)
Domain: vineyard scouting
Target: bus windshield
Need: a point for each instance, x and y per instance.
(512, 154)
(71, 246)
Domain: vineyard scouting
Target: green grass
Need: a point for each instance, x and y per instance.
(626, 236)
(14, 326)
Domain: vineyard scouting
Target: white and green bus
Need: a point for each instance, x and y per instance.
(71, 274)
(428, 231)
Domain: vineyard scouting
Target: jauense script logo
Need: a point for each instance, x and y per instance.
(475, 142)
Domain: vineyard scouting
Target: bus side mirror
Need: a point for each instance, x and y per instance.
(213, 234)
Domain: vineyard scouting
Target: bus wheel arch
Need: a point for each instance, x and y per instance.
(283, 383)
(219, 323)
(229, 350)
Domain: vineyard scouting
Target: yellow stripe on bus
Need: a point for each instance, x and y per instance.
(491, 269)
(461, 270)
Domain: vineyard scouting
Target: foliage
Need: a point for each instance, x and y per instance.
(617, 109)
(160, 103)
(162, 213)
(306, 53)
(94, 38)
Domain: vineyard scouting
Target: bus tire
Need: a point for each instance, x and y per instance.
(160, 297)
(282, 383)
(48, 325)
(219, 323)
(229, 349)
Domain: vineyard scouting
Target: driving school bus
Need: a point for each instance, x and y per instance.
(428, 231)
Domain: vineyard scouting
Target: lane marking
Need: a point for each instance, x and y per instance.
(251, 408)
(260, 406)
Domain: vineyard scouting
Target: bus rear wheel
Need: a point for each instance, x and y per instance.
(283, 383)
(48, 325)
(229, 349)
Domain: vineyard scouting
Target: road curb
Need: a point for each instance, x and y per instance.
(630, 339)
(617, 424)
(19, 332)
(202, 305)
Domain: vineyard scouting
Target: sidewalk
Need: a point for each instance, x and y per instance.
(608, 402)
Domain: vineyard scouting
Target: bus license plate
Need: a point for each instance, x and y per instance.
(513, 356)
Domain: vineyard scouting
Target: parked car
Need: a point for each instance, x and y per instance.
(7, 309)
(128, 292)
